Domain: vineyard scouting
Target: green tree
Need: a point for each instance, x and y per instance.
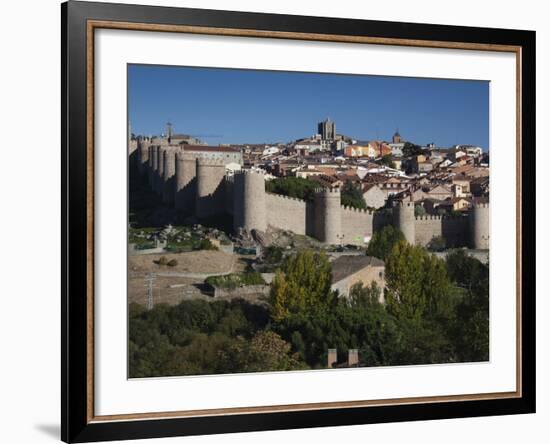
(303, 283)
(419, 211)
(382, 242)
(205, 244)
(471, 329)
(437, 244)
(404, 268)
(267, 351)
(411, 149)
(387, 161)
(417, 282)
(352, 196)
(376, 330)
(273, 254)
(297, 187)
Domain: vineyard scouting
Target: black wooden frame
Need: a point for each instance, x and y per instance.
(75, 425)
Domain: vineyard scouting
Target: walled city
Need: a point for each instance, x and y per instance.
(426, 192)
(299, 247)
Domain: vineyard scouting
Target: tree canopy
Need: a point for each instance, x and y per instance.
(411, 149)
(387, 161)
(431, 311)
(297, 187)
(382, 242)
(302, 284)
(417, 282)
(352, 196)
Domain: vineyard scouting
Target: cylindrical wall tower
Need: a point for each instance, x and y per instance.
(249, 201)
(155, 167)
(160, 171)
(169, 171)
(404, 220)
(328, 219)
(143, 156)
(209, 197)
(150, 166)
(479, 226)
(185, 183)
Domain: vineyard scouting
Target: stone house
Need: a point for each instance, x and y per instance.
(455, 204)
(440, 192)
(463, 182)
(350, 270)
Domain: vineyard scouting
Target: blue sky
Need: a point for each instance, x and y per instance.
(250, 106)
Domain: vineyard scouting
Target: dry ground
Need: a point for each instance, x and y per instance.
(184, 281)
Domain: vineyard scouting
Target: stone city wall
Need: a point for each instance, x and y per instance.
(286, 213)
(453, 229)
(356, 225)
(191, 181)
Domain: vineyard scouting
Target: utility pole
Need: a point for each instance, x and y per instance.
(150, 284)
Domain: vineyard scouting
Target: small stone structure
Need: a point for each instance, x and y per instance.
(353, 357)
(332, 357)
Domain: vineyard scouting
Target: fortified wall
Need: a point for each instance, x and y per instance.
(199, 186)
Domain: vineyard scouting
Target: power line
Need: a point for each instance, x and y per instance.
(150, 284)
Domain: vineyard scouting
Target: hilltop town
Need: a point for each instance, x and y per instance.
(220, 223)
(433, 195)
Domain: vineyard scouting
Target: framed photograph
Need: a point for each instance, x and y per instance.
(275, 221)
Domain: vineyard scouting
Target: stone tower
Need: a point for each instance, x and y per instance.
(169, 171)
(143, 156)
(249, 201)
(209, 196)
(160, 171)
(155, 167)
(479, 226)
(404, 220)
(328, 223)
(185, 183)
(150, 167)
(327, 129)
(396, 137)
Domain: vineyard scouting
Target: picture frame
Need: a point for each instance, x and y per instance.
(80, 20)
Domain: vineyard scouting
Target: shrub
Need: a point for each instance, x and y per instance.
(437, 244)
(205, 244)
(161, 261)
(352, 196)
(235, 280)
(273, 254)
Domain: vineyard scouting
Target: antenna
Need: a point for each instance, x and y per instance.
(169, 130)
(150, 284)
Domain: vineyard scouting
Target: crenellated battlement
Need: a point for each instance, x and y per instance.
(356, 210)
(249, 171)
(327, 191)
(202, 188)
(202, 161)
(185, 156)
(441, 217)
(481, 205)
(405, 204)
(280, 196)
